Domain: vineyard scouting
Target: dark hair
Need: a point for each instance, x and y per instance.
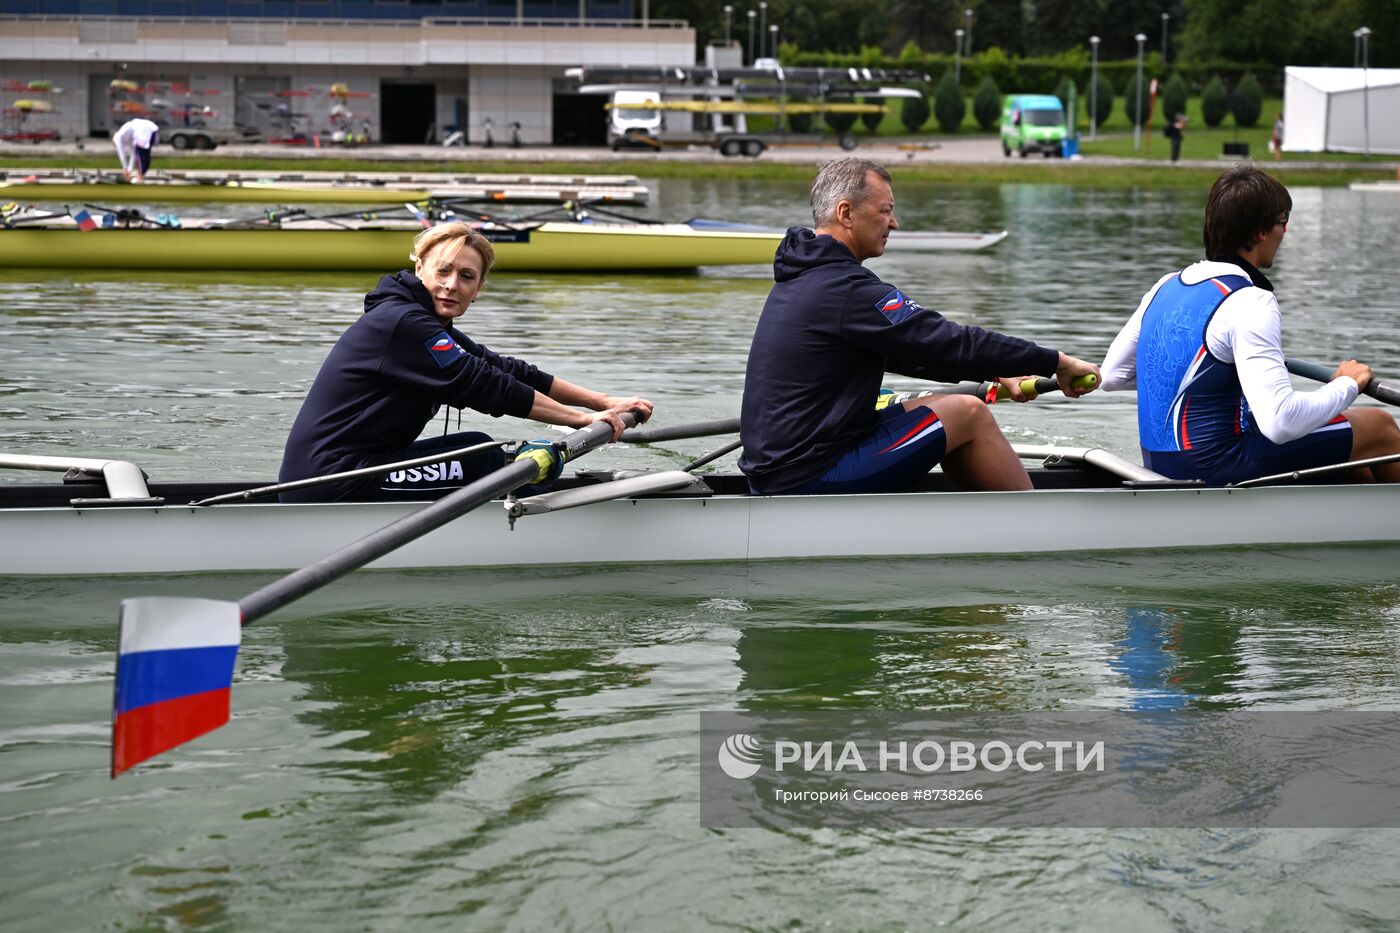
(1244, 202)
(845, 179)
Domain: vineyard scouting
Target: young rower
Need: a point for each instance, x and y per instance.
(827, 335)
(1205, 352)
(401, 362)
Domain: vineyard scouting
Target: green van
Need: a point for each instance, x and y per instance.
(1033, 123)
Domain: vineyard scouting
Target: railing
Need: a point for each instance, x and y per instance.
(572, 22)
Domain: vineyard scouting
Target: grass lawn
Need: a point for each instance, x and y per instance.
(1116, 134)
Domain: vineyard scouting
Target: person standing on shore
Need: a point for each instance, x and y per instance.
(134, 141)
(1173, 132)
(1276, 140)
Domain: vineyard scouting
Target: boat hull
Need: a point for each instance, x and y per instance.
(548, 247)
(318, 188)
(268, 537)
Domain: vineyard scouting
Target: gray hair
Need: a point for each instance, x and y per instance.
(842, 180)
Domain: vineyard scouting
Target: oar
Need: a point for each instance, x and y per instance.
(1032, 388)
(1387, 392)
(175, 656)
(993, 392)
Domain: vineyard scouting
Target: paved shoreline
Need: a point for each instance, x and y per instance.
(978, 150)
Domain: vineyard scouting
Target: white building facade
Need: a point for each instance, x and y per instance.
(404, 80)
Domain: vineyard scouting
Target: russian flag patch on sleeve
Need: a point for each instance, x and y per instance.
(444, 349)
(896, 306)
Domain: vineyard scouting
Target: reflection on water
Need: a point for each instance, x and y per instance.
(483, 749)
(432, 747)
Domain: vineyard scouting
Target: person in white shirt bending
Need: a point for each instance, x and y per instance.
(134, 141)
(1205, 352)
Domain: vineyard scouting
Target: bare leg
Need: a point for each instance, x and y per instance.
(1374, 433)
(978, 456)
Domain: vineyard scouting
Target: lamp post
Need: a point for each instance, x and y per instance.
(957, 56)
(1093, 87)
(1165, 18)
(728, 17)
(1137, 111)
(762, 25)
(1362, 38)
(752, 14)
(773, 30)
(967, 17)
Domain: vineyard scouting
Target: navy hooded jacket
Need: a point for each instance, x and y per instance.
(389, 374)
(829, 332)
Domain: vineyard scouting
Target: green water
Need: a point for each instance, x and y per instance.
(517, 750)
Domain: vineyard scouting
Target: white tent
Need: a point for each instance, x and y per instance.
(1341, 110)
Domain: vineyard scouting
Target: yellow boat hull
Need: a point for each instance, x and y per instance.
(554, 247)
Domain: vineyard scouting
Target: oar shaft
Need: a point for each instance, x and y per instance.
(1376, 388)
(414, 525)
(677, 432)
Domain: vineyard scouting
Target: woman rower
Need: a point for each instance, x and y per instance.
(402, 361)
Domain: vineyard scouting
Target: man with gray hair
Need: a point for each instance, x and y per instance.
(829, 332)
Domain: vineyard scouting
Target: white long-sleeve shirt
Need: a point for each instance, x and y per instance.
(1246, 331)
(133, 133)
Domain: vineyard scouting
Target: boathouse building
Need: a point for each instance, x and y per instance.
(308, 71)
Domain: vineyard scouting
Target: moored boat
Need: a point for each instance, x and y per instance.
(1084, 501)
(60, 185)
(378, 245)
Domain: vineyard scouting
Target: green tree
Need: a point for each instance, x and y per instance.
(914, 113)
(872, 120)
(1062, 92)
(1213, 105)
(1174, 96)
(1135, 103)
(1249, 102)
(1103, 100)
(949, 107)
(986, 104)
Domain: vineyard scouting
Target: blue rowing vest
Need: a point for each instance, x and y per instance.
(1190, 404)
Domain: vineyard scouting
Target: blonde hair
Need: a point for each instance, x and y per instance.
(425, 242)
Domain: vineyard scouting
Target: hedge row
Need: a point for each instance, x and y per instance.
(1040, 75)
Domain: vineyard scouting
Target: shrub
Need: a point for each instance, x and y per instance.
(986, 104)
(949, 107)
(1131, 101)
(914, 113)
(840, 123)
(1174, 97)
(1250, 102)
(1213, 106)
(1103, 101)
(872, 120)
(1062, 91)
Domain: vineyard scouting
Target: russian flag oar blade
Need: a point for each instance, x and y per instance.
(175, 661)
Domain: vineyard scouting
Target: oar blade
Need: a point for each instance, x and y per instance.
(175, 660)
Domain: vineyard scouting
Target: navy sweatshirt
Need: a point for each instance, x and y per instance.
(389, 374)
(829, 332)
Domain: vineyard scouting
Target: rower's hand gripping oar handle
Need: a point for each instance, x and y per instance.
(990, 392)
(1376, 388)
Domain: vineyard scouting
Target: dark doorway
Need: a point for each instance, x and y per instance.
(580, 120)
(407, 112)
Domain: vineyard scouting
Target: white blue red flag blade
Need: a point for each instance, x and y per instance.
(175, 661)
(84, 220)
